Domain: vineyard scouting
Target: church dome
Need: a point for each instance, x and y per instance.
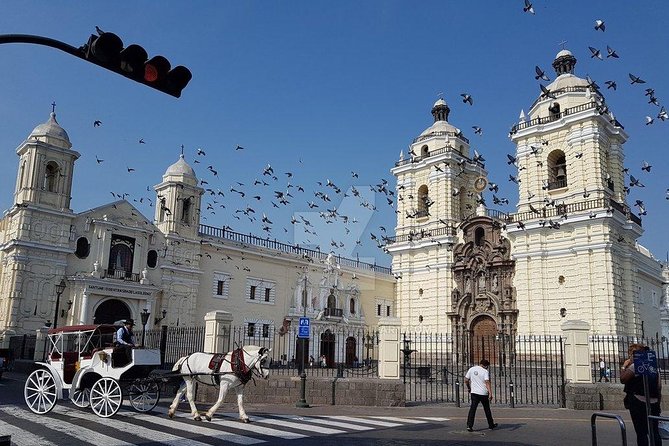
(563, 52)
(440, 111)
(567, 80)
(51, 130)
(180, 168)
(439, 126)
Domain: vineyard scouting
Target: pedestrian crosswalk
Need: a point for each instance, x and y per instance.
(67, 424)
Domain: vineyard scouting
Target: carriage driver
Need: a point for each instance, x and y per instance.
(125, 339)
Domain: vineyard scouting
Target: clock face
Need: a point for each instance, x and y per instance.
(480, 184)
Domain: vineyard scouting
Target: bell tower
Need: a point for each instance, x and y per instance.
(178, 201)
(574, 238)
(438, 186)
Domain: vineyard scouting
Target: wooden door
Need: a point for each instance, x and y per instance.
(483, 344)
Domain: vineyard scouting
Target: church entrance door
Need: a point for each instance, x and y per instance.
(351, 356)
(328, 347)
(110, 311)
(483, 335)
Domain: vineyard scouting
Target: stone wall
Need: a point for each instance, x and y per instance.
(319, 391)
(601, 396)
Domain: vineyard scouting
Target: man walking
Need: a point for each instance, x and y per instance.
(602, 370)
(478, 383)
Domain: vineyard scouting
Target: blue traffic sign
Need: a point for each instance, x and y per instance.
(645, 363)
(304, 328)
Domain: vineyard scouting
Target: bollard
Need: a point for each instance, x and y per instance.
(334, 382)
(340, 370)
(457, 393)
(513, 401)
(5, 440)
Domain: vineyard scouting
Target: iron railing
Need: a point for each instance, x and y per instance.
(559, 210)
(557, 184)
(439, 151)
(174, 342)
(120, 274)
(613, 351)
(553, 117)
(524, 370)
(347, 350)
(250, 239)
(441, 133)
(23, 346)
(421, 234)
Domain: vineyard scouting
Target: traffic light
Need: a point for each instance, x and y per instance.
(106, 50)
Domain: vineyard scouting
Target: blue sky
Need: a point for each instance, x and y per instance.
(319, 89)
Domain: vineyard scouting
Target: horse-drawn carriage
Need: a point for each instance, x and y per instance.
(82, 365)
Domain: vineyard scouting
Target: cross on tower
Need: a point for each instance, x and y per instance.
(563, 43)
(53, 107)
(182, 150)
(440, 95)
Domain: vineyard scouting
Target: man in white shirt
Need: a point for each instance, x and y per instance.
(478, 383)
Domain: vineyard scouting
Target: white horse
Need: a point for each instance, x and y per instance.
(230, 371)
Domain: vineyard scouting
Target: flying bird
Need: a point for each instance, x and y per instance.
(611, 53)
(512, 159)
(600, 26)
(636, 79)
(546, 93)
(201, 152)
(540, 74)
(467, 99)
(477, 130)
(130, 169)
(141, 141)
(649, 120)
(97, 123)
(645, 166)
(239, 148)
(595, 53)
(528, 7)
(635, 182)
(98, 160)
(663, 114)
(611, 84)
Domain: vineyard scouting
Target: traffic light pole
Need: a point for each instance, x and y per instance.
(106, 51)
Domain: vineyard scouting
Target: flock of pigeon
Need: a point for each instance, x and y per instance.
(275, 191)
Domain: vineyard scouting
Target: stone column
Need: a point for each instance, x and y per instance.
(389, 348)
(577, 352)
(217, 331)
(83, 309)
(40, 343)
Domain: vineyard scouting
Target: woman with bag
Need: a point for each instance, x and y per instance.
(635, 398)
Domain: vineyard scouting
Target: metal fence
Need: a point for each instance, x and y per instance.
(613, 351)
(329, 351)
(524, 370)
(174, 342)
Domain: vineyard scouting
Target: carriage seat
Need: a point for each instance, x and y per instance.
(69, 366)
(55, 356)
(119, 357)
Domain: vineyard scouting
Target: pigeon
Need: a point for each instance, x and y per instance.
(201, 152)
(635, 182)
(540, 74)
(653, 100)
(477, 130)
(645, 166)
(611, 53)
(528, 7)
(97, 123)
(467, 99)
(98, 160)
(239, 148)
(546, 93)
(635, 79)
(599, 25)
(514, 179)
(512, 159)
(595, 53)
(649, 92)
(649, 120)
(141, 141)
(611, 84)
(130, 169)
(663, 114)
(492, 187)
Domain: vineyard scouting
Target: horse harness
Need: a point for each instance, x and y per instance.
(237, 364)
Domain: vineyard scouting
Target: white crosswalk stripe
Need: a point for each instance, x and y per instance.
(130, 426)
(21, 437)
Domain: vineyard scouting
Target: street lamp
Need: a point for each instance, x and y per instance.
(158, 319)
(302, 402)
(59, 290)
(145, 318)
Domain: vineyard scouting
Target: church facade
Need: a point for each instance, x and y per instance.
(109, 263)
(570, 250)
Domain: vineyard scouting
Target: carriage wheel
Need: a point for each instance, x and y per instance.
(106, 397)
(81, 397)
(40, 391)
(144, 395)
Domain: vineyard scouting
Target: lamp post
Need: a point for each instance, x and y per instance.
(59, 290)
(145, 318)
(302, 402)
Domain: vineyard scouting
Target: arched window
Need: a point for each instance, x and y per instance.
(51, 176)
(424, 151)
(152, 258)
(332, 300)
(423, 202)
(479, 236)
(161, 217)
(554, 110)
(351, 306)
(83, 248)
(185, 213)
(557, 170)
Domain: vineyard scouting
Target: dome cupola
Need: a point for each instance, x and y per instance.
(564, 62)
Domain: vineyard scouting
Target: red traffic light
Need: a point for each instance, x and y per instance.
(156, 69)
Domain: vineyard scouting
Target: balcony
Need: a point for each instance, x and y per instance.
(120, 274)
(557, 184)
(333, 312)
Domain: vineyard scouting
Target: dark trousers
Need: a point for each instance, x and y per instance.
(638, 414)
(485, 401)
(602, 374)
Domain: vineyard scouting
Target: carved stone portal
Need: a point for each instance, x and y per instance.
(483, 302)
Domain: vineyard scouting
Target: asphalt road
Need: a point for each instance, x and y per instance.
(287, 425)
